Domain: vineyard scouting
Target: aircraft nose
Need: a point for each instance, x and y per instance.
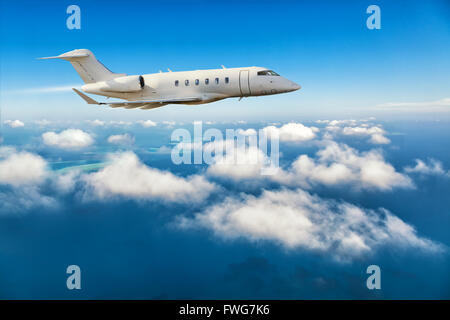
(294, 86)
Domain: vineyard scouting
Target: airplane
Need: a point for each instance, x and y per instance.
(155, 90)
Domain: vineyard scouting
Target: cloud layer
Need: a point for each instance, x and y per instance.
(297, 219)
(340, 164)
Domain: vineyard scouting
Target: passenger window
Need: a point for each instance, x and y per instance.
(176, 83)
(217, 80)
(227, 80)
(197, 82)
(186, 82)
(206, 81)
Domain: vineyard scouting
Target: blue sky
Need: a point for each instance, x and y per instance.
(364, 165)
(343, 67)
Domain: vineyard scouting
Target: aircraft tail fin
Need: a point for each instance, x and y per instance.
(88, 67)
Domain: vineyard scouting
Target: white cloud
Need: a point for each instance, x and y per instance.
(147, 123)
(127, 176)
(120, 123)
(14, 123)
(247, 132)
(66, 182)
(43, 122)
(297, 219)
(379, 139)
(169, 123)
(433, 167)
(68, 139)
(240, 163)
(21, 168)
(334, 165)
(292, 132)
(351, 122)
(376, 133)
(341, 164)
(96, 123)
(121, 139)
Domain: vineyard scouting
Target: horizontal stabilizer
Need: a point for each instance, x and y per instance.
(89, 100)
(67, 56)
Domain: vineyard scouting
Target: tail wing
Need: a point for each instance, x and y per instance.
(89, 100)
(88, 67)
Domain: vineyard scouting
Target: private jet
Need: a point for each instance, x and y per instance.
(149, 91)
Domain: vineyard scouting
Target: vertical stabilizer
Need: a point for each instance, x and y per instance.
(88, 67)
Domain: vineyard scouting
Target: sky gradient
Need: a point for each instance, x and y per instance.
(344, 68)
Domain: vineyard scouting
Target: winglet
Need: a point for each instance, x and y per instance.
(85, 97)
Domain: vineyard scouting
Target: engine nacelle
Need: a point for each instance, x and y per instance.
(121, 84)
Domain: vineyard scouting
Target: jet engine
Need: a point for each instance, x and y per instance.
(125, 84)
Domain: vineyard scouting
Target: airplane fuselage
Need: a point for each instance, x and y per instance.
(208, 85)
(159, 89)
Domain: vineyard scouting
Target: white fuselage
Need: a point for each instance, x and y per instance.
(206, 85)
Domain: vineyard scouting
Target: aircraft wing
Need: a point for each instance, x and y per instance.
(144, 104)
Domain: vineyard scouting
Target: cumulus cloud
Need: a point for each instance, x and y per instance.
(127, 176)
(19, 168)
(21, 176)
(14, 123)
(341, 164)
(433, 167)
(296, 219)
(375, 133)
(147, 123)
(334, 165)
(121, 139)
(68, 139)
(66, 182)
(292, 132)
(239, 163)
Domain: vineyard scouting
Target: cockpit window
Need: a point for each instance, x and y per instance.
(267, 73)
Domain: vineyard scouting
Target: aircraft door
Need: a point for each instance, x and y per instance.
(244, 83)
